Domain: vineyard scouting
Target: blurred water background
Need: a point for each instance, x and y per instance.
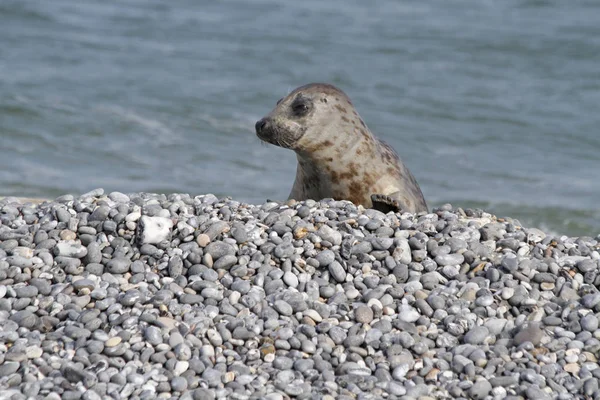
(492, 104)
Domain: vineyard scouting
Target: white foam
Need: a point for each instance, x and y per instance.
(230, 125)
(158, 129)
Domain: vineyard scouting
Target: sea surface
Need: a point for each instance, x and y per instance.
(492, 104)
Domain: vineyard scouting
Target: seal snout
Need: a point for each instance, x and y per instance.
(260, 125)
(264, 130)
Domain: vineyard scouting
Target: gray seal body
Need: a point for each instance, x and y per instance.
(338, 156)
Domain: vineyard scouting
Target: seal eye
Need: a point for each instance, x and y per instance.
(300, 108)
(279, 101)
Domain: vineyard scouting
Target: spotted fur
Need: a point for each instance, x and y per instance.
(338, 156)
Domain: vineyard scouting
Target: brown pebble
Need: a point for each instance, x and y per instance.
(572, 368)
(432, 375)
(203, 240)
(66, 234)
(547, 285)
(113, 341)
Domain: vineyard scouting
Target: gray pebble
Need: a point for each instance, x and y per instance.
(532, 333)
(219, 249)
(283, 307)
(337, 271)
(99, 214)
(284, 250)
(363, 314)
(8, 367)
(225, 262)
(152, 295)
(179, 384)
(476, 335)
(118, 265)
(589, 322)
(325, 258)
(26, 291)
(25, 319)
(480, 389)
(449, 259)
(329, 234)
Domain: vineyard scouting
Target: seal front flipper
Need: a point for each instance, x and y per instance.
(385, 203)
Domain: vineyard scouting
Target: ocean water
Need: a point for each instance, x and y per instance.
(492, 104)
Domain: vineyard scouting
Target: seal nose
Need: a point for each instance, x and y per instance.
(260, 125)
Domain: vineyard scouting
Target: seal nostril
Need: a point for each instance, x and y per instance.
(260, 125)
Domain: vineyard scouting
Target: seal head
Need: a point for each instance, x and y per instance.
(338, 156)
(296, 114)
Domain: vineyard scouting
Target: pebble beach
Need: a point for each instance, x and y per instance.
(144, 296)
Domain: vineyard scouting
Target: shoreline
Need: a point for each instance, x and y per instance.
(172, 296)
(24, 200)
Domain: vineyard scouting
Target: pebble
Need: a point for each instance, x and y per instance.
(179, 384)
(82, 284)
(153, 335)
(329, 234)
(154, 229)
(70, 249)
(402, 252)
(337, 271)
(589, 322)
(476, 335)
(112, 342)
(8, 367)
(219, 249)
(325, 258)
(290, 279)
(283, 308)
(449, 259)
(203, 240)
(480, 389)
(143, 296)
(363, 314)
(532, 333)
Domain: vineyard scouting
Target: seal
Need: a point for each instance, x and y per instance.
(338, 156)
